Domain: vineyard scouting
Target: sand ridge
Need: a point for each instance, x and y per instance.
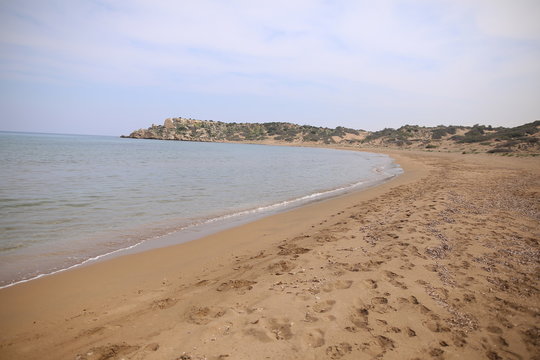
(441, 263)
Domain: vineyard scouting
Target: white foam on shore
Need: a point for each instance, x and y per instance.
(267, 209)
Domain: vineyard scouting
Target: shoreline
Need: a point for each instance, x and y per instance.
(171, 302)
(205, 226)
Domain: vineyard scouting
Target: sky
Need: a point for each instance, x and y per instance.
(111, 67)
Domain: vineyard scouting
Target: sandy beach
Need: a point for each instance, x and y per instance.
(441, 262)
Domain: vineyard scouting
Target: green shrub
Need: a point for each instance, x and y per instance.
(499, 150)
(441, 131)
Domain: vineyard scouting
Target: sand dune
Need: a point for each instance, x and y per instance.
(441, 263)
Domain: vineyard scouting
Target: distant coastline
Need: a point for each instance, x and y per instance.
(519, 140)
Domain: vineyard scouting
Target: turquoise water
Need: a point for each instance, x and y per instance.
(65, 199)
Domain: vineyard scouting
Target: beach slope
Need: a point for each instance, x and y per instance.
(441, 262)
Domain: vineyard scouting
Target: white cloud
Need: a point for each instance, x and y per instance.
(401, 53)
(516, 19)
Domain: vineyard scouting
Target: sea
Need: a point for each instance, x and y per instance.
(71, 200)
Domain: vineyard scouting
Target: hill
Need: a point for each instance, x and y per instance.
(478, 138)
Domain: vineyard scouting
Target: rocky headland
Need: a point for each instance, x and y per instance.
(524, 139)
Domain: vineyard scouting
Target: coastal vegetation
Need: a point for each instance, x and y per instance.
(477, 138)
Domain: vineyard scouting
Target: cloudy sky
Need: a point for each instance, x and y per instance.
(109, 67)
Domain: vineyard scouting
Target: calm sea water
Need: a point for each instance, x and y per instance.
(65, 199)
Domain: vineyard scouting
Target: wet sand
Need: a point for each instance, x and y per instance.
(441, 262)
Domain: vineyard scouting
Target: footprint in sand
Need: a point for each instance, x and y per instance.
(380, 305)
(309, 318)
(459, 338)
(152, 347)
(324, 238)
(371, 283)
(385, 343)
(367, 266)
(338, 285)
(392, 279)
(379, 300)
(203, 315)
(280, 267)
(282, 330)
(111, 351)
(411, 332)
(494, 330)
(260, 255)
(313, 338)
(163, 304)
(338, 351)
(436, 353)
(343, 284)
(435, 326)
(407, 265)
(531, 338)
(292, 249)
(360, 319)
(271, 330)
(87, 333)
(258, 334)
(241, 286)
(324, 306)
(499, 341)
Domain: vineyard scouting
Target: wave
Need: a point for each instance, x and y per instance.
(262, 210)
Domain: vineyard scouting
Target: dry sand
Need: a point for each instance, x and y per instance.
(442, 262)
